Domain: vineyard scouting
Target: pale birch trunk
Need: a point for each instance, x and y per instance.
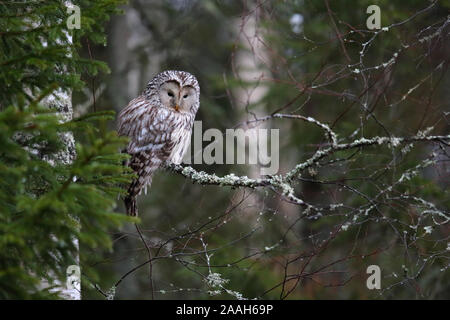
(249, 67)
(252, 64)
(61, 102)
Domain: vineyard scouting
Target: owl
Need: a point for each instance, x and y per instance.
(159, 125)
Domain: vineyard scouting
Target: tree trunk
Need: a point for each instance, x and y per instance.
(61, 102)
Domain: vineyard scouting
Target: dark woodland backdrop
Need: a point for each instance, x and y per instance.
(379, 196)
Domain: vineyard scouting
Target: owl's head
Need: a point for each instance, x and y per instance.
(176, 90)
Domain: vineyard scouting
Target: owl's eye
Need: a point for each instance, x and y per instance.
(170, 94)
(185, 96)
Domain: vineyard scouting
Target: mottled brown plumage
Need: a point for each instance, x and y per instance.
(159, 124)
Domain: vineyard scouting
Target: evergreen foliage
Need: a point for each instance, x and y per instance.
(45, 205)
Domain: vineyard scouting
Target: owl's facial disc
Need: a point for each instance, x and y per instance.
(188, 97)
(169, 95)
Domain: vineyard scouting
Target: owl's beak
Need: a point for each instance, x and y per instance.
(177, 108)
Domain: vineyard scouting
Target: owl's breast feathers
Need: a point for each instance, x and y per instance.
(162, 134)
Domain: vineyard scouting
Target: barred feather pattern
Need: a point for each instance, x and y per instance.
(158, 134)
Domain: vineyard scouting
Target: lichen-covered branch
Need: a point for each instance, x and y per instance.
(283, 183)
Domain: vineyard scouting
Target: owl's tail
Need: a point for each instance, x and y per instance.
(133, 191)
(130, 205)
(144, 167)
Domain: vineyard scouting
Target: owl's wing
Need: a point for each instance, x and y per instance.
(146, 126)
